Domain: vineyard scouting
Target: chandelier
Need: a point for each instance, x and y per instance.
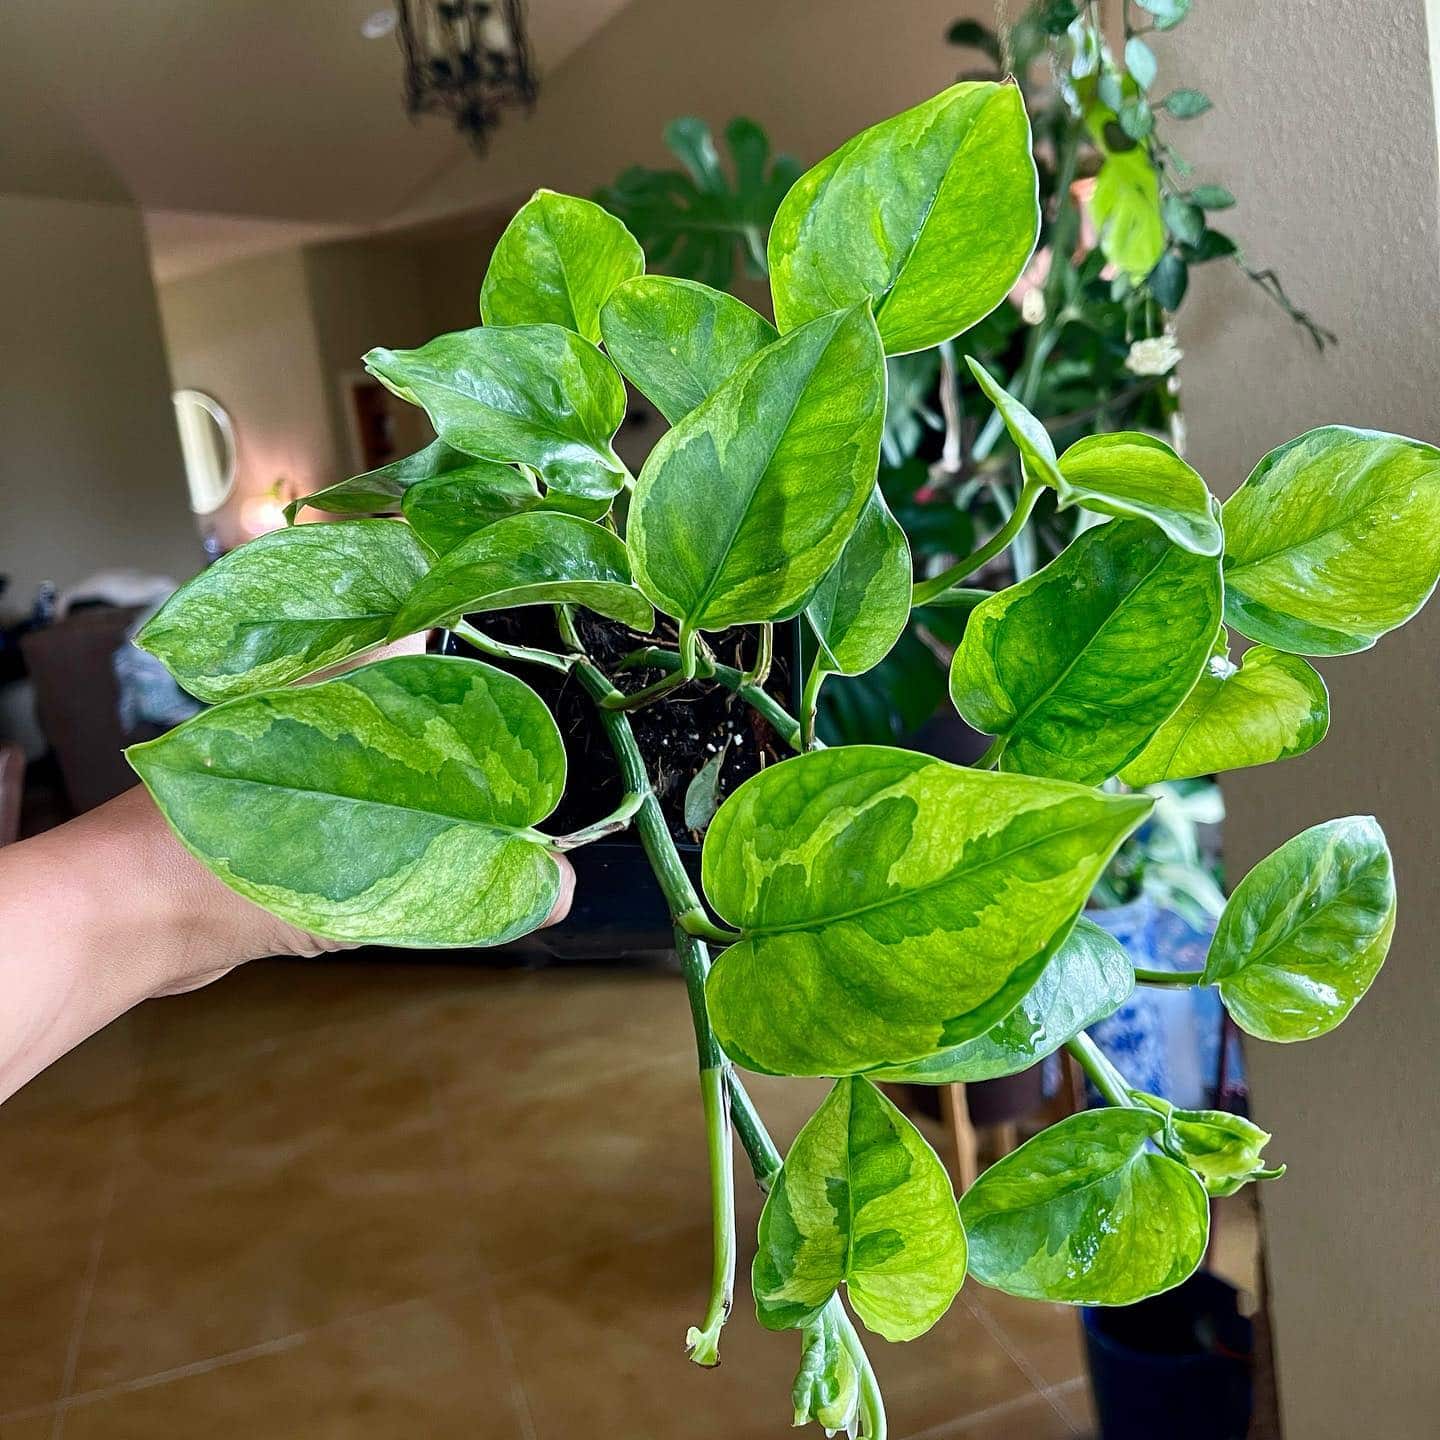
(470, 58)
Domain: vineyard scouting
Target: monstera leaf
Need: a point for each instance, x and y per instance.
(1333, 541)
(743, 506)
(911, 902)
(1306, 931)
(861, 1201)
(931, 215)
(1086, 1213)
(1221, 1148)
(390, 806)
(556, 264)
(284, 606)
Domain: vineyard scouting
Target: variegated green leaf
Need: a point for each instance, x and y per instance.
(284, 606)
(1074, 669)
(1086, 1213)
(1031, 438)
(931, 215)
(861, 1200)
(382, 491)
(743, 506)
(827, 1385)
(677, 341)
(556, 264)
(1087, 979)
(909, 902)
(1306, 931)
(536, 559)
(1125, 206)
(1270, 707)
(1224, 1150)
(449, 508)
(390, 806)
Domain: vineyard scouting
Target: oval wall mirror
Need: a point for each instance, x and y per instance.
(207, 441)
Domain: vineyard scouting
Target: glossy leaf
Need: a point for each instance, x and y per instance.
(1125, 206)
(556, 264)
(1333, 541)
(863, 604)
(534, 395)
(1031, 438)
(1078, 666)
(535, 559)
(1306, 931)
(1087, 1214)
(744, 506)
(449, 508)
(1270, 707)
(827, 1385)
(389, 806)
(932, 215)
(861, 1200)
(910, 902)
(381, 491)
(677, 341)
(1086, 980)
(284, 606)
(1221, 1148)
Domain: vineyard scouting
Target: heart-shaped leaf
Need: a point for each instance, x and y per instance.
(449, 508)
(382, 491)
(1306, 931)
(284, 606)
(1087, 979)
(1125, 206)
(932, 215)
(1076, 668)
(534, 395)
(390, 806)
(863, 604)
(1271, 707)
(556, 264)
(910, 902)
(1086, 1213)
(1221, 1148)
(677, 341)
(827, 1385)
(1333, 541)
(743, 506)
(861, 1200)
(540, 558)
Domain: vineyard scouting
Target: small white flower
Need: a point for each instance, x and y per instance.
(1153, 357)
(1032, 307)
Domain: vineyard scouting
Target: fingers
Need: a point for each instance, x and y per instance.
(567, 892)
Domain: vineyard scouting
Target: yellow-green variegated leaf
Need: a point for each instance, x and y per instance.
(284, 606)
(861, 1200)
(676, 341)
(909, 902)
(556, 264)
(534, 395)
(827, 1385)
(380, 492)
(1086, 1213)
(1086, 980)
(1333, 541)
(931, 215)
(445, 509)
(540, 558)
(1224, 1150)
(1269, 707)
(390, 806)
(1306, 931)
(863, 604)
(743, 506)
(1030, 437)
(1125, 206)
(1074, 669)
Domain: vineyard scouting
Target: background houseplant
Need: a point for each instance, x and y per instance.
(895, 917)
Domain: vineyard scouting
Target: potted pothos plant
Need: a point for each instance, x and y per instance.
(867, 913)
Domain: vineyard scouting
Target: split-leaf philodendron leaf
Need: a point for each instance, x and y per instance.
(390, 806)
(1333, 540)
(1269, 707)
(1076, 668)
(1306, 931)
(862, 1200)
(910, 901)
(556, 264)
(743, 506)
(446, 509)
(1224, 1150)
(284, 606)
(1086, 1213)
(932, 215)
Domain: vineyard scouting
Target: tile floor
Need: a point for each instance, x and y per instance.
(337, 1199)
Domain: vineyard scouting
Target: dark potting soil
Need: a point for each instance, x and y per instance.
(677, 735)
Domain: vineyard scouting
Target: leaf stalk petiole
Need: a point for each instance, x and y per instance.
(617, 820)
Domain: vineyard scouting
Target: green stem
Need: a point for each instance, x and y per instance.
(698, 924)
(810, 704)
(617, 820)
(502, 651)
(991, 758)
(765, 1159)
(1103, 1075)
(1169, 977)
(759, 673)
(872, 1404)
(927, 590)
(649, 694)
(704, 1343)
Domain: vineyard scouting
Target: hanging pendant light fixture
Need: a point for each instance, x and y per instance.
(467, 58)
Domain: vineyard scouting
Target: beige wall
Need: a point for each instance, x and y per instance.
(1324, 127)
(90, 470)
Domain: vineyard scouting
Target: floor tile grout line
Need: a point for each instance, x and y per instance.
(1001, 1336)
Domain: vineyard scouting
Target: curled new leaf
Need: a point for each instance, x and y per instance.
(284, 606)
(861, 1200)
(1224, 1150)
(382, 491)
(390, 806)
(1306, 931)
(827, 1385)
